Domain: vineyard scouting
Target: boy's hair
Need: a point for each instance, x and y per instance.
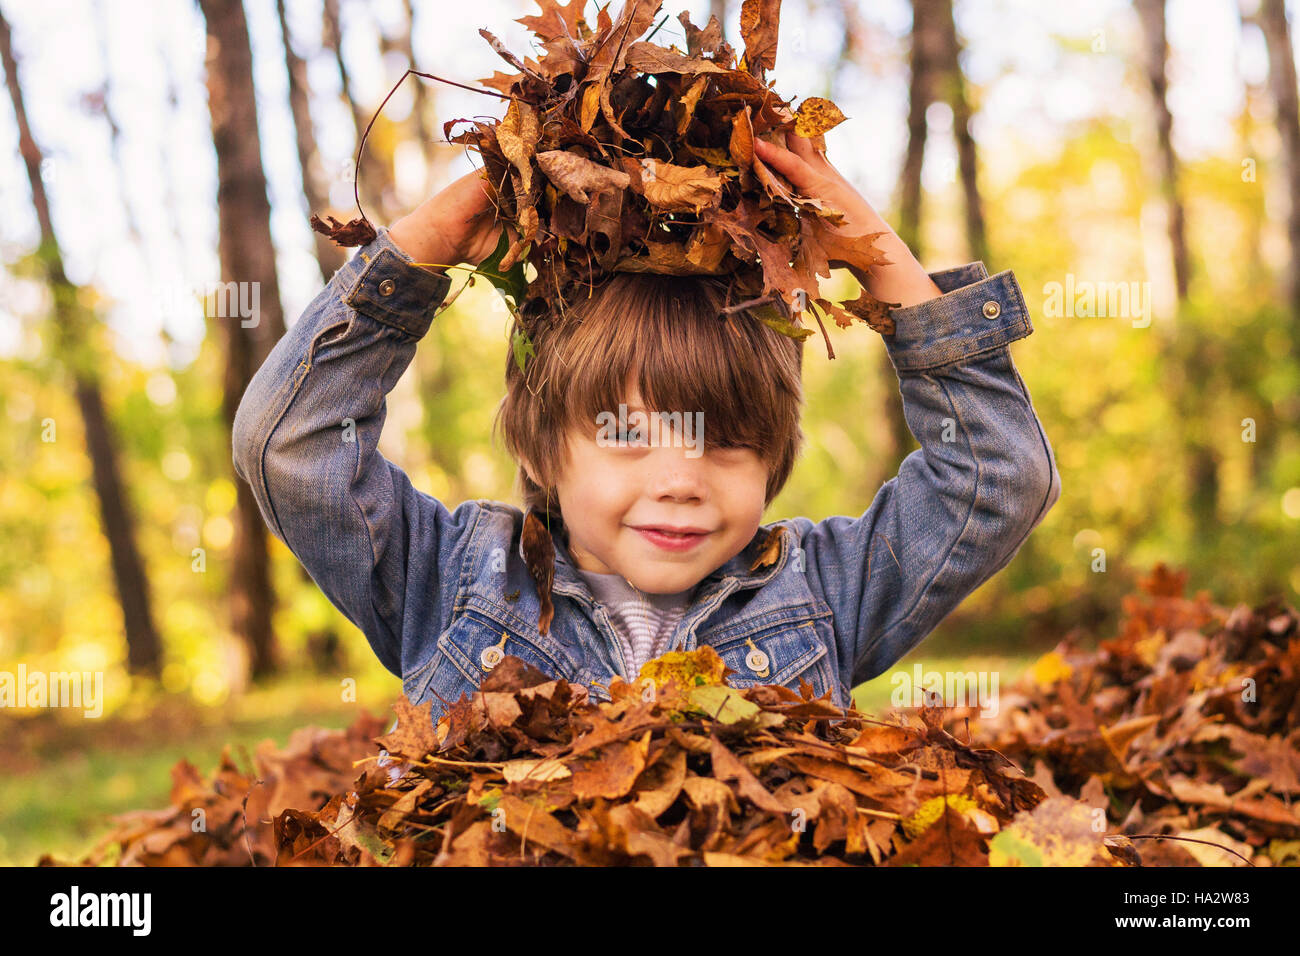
(668, 334)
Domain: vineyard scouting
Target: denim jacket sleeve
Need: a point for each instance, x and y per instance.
(306, 436)
(963, 503)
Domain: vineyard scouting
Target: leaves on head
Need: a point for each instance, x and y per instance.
(619, 154)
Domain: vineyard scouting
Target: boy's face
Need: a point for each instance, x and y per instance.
(613, 497)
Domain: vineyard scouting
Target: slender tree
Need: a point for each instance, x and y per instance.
(423, 99)
(247, 256)
(329, 257)
(955, 89)
(1272, 20)
(935, 76)
(1155, 57)
(1188, 364)
(73, 337)
(375, 174)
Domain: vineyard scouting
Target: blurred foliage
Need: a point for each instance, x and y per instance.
(1122, 405)
(1119, 404)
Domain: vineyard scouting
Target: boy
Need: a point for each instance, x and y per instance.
(657, 546)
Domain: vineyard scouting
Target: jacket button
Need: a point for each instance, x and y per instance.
(992, 310)
(490, 657)
(757, 662)
(388, 285)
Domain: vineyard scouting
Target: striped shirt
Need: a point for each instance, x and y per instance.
(644, 622)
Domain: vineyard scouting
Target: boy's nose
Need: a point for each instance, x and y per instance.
(674, 475)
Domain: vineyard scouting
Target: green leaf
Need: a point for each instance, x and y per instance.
(770, 317)
(370, 841)
(523, 347)
(1009, 849)
(722, 703)
(512, 285)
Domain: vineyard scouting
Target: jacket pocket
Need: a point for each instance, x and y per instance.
(475, 643)
(780, 647)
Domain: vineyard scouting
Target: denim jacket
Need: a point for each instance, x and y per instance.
(442, 594)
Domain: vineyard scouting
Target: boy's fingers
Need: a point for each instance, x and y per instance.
(801, 146)
(784, 162)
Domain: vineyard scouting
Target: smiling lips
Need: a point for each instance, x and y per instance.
(672, 539)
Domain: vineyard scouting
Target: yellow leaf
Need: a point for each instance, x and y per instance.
(1049, 669)
(687, 668)
(815, 116)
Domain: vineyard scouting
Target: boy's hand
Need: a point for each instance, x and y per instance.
(812, 174)
(457, 225)
(902, 279)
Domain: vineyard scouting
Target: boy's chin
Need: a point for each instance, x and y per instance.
(667, 581)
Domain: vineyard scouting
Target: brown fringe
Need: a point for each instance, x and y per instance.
(539, 555)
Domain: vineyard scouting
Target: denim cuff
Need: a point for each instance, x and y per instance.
(386, 284)
(976, 313)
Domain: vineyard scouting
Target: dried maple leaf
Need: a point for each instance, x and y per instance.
(414, 736)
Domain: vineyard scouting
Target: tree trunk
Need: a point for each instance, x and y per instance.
(144, 647)
(1190, 367)
(374, 185)
(247, 256)
(928, 55)
(955, 93)
(1155, 55)
(1282, 85)
(329, 256)
(423, 100)
(718, 8)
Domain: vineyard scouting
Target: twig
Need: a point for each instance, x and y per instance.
(883, 814)
(356, 173)
(748, 304)
(1166, 836)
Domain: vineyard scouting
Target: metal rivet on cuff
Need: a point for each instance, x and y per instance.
(992, 310)
(388, 285)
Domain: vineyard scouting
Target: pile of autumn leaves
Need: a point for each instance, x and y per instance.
(679, 769)
(618, 154)
(1183, 727)
(1186, 724)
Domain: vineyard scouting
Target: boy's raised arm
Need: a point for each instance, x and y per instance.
(963, 503)
(984, 476)
(306, 437)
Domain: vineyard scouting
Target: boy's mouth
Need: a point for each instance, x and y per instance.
(670, 538)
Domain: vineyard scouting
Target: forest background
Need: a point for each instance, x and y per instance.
(1146, 154)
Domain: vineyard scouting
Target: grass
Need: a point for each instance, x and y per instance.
(875, 695)
(64, 780)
